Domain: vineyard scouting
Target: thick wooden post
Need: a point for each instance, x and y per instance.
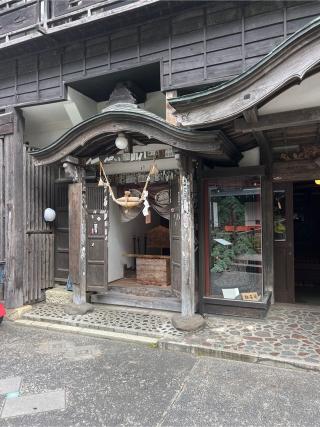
(77, 240)
(187, 239)
(14, 214)
(267, 233)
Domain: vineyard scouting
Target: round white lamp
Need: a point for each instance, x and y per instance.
(49, 215)
(121, 141)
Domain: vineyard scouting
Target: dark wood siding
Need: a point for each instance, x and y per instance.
(61, 231)
(175, 238)
(39, 238)
(199, 46)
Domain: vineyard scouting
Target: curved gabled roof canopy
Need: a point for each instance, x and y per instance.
(287, 63)
(97, 134)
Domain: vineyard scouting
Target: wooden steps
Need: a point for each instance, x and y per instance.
(114, 297)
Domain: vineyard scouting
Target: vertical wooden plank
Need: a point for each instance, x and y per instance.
(2, 202)
(25, 264)
(187, 238)
(36, 198)
(14, 215)
(61, 73)
(51, 260)
(267, 233)
(106, 233)
(170, 51)
(175, 237)
(205, 44)
(77, 241)
(243, 47)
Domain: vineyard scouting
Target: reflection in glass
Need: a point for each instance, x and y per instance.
(279, 216)
(235, 239)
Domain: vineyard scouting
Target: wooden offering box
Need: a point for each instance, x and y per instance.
(152, 269)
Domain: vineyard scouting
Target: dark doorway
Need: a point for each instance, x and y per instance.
(306, 208)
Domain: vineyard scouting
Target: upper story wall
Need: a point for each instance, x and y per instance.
(195, 43)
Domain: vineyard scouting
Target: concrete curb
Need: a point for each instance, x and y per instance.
(199, 350)
(167, 344)
(96, 333)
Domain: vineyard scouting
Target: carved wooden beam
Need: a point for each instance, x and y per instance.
(130, 119)
(286, 119)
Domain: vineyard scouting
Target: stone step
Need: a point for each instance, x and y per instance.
(58, 295)
(118, 298)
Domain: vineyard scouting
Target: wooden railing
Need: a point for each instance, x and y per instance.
(23, 19)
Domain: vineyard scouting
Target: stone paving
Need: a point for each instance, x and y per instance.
(289, 333)
(139, 322)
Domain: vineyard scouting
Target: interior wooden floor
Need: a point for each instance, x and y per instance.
(132, 282)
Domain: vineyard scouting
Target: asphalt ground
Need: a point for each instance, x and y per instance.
(58, 379)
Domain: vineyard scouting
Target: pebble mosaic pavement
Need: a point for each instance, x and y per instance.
(127, 321)
(289, 332)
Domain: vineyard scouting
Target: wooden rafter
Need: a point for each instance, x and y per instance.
(286, 119)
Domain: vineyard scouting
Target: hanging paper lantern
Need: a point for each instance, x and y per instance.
(49, 215)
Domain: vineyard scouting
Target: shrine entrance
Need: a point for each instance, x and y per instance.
(143, 252)
(108, 158)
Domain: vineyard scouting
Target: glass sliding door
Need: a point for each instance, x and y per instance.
(235, 239)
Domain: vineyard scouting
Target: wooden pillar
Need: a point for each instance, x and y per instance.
(77, 235)
(267, 233)
(187, 238)
(14, 213)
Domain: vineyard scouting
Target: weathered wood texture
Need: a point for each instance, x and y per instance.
(20, 19)
(187, 238)
(280, 120)
(284, 283)
(61, 233)
(199, 46)
(175, 237)
(267, 234)
(97, 237)
(295, 170)
(38, 266)
(14, 218)
(153, 271)
(3, 236)
(77, 241)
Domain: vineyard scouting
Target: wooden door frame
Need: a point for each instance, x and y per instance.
(221, 306)
(105, 215)
(287, 187)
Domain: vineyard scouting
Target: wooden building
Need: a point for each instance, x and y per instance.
(210, 107)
